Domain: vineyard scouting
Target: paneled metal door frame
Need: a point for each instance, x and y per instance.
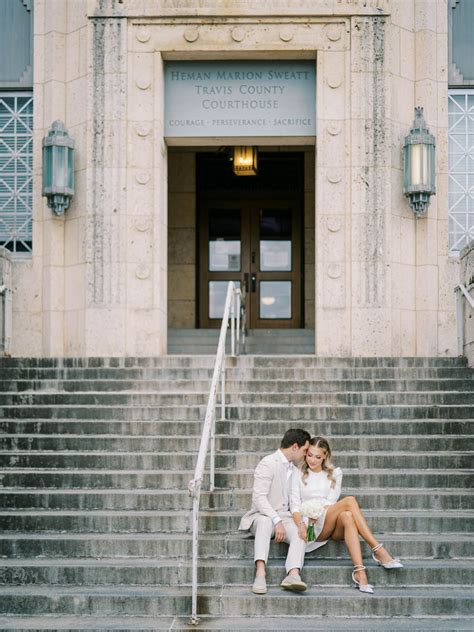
(250, 274)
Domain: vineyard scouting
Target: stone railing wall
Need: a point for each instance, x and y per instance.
(467, 279)
(5, 302)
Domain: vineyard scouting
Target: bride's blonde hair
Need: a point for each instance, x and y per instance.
(327, 466)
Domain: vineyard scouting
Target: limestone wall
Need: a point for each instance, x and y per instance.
(98, 280)
(182, 239)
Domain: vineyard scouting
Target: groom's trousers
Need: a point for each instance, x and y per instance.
(263, 530)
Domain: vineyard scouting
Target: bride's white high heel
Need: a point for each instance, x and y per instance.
(394, 563)
(366, 588)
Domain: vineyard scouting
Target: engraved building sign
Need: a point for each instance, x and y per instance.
(253, 98)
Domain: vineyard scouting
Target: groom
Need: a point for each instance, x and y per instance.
(270, 512)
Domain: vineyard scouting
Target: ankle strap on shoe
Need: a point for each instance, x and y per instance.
(359, 567)
(377, 547)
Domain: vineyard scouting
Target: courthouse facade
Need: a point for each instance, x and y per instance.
(157, 94)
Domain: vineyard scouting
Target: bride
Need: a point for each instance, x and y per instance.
(319, 480)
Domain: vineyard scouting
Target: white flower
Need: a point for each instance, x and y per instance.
(311, 509)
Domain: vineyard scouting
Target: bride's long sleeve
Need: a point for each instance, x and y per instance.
(335, 491)
(295, 492)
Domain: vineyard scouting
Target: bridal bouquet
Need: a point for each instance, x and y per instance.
(311, 509)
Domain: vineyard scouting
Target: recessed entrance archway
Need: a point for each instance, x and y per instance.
(250, 232)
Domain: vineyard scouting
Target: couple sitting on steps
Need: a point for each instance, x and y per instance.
(285, 496)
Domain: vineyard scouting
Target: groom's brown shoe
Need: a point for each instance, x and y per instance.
(293, 582)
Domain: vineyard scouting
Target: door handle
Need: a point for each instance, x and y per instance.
(254, 282)
(246, 282)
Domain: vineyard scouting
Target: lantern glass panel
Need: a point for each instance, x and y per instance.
(70, 168)
(47, 167)
(59, 166)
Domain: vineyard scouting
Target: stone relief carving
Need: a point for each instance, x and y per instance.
(334, 224)
(143, 83)
(143, 129)
(334, 178)
(142, 177)
(238, 34)
(335, 81)
(191, 34)
(334, 129)
(286, 34)
(334, 270)
(142, 271)
(143, 35)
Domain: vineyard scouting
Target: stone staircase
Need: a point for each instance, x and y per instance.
(257, 341)
(96, 455)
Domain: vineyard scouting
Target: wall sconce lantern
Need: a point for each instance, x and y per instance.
(58, 168)
(419, 165)
(245, 161)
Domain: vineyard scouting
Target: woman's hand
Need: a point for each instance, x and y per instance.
(302, 531)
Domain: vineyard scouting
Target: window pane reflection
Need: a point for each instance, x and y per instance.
(217, 294)
(275, 299)
(224, 240)
(224, 256)
(275, 224)
(275, 255)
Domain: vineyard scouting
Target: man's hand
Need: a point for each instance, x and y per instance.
(280, 533)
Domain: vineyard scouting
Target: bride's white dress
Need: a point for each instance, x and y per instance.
(317, 487)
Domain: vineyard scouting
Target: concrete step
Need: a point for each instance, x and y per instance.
(245, 361)
(130, 479)
(34, 544)
(160, 601)
(265, 412)
(152, 521)
(233, 430)
(285, 346)
(230, 460)
(334, 427)
(242, 399)
(87, 499)
(148, 571)
(237, 373)
(453, 623)
(175, 385)
(261, 341)
(266, 444)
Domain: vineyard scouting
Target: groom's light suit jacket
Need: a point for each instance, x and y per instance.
(270, 490)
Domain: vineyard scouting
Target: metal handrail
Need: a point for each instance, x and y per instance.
(6, 320)
(233, 305)
(462, 292)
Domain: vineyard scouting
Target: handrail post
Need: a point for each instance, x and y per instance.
(460, 319)
(195, 525)
(232, 325)
(213, 451)
(238, 320)
(223, 394)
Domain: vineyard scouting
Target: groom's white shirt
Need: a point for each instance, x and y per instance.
(271, 490)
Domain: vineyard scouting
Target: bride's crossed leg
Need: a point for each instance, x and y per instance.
(345, 521)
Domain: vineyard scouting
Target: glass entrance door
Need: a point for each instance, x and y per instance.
(257, 245)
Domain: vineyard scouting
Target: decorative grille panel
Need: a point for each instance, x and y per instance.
(461, 169)
(16, 170)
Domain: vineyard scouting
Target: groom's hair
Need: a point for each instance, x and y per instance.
(294, 435)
